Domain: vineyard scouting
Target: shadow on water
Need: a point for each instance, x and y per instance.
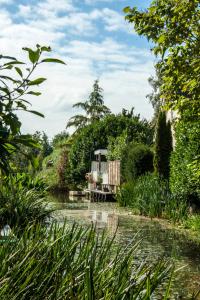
(156, 241)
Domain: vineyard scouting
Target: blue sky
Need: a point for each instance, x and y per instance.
(92, 37)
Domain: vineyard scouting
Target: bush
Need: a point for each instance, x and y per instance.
(137, 159)
(20, 207)
(75, 263)
(185, 167)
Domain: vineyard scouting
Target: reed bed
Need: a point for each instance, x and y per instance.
(77, 263)
(149, 195)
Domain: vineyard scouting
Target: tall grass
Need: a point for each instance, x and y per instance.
(60, 263)
(150, 196)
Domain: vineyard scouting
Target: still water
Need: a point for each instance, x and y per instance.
(157, 241)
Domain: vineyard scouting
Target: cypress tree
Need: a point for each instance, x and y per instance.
(163, 146)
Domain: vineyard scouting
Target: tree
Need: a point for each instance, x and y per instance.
(173, 26)
(163, 146)
(13, 91)
(94, 109)
(155, 97)
(137, 159)
(97, 135)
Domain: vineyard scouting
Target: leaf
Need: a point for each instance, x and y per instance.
(54, 60)
(7, 57)
(14, 63)
(36, 113)
(34, 93)
(46, 49)
(33, 55)
(126, 10)
(19, 71)
(8, 78)
(36, 81)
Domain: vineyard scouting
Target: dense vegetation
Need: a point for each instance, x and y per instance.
(173, 27)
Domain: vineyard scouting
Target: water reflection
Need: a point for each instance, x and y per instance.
(156, 241)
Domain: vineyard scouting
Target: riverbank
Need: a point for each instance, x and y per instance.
(186, 228)
(157, 239)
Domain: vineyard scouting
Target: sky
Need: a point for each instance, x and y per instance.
(94, 40)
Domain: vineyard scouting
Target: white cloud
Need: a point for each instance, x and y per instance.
(6, 1)
(123, 70)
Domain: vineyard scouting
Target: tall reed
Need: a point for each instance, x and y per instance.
(60, 263)
(149, 195)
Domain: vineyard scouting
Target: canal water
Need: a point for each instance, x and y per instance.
(157, 241)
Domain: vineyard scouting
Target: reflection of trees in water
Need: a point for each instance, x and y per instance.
(105, 219)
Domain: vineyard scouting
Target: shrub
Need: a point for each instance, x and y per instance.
(20, 207)
(137, 159)
(75, 263)
(185, 167)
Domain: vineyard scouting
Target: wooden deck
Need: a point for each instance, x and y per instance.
(98, 195)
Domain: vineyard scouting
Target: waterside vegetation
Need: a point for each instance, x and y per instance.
(42, 259)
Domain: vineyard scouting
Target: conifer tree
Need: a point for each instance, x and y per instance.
(94, 109)
(163, 146)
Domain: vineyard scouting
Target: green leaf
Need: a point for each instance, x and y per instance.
(14, 63)
(33, 55)
(36, 81)
(46, 49)
(54, 60)
(36, 113)
(8, 78)
(126, 10)
(19, 71)
(7, 57)
(34, 93)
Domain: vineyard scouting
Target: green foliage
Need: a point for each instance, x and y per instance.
(137, 159)
(185, 169)
(28, 159)
(150, 196)
(49, 172)
(25, 180)
(97, 135)
(60, 139)
(14, 88)
(193, 222)
(94, 109)
(173, 27)
(163, 146)
(116, 146)
(76, 263)
(61, 169)
(21, 206)
(146, 195)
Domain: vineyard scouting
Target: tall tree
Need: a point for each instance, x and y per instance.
(173, 26)
(163, 146)
(94, 109)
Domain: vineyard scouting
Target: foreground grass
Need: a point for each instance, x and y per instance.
(75, 263)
